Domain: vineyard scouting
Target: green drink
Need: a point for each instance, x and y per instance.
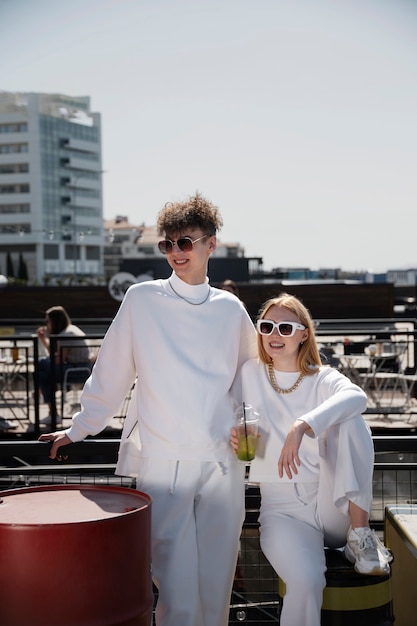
(247, 447)
(246, 424)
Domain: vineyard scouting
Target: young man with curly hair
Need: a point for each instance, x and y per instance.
(184, 341)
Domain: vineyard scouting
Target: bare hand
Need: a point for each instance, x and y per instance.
(289, 460)
(233, 439)
(58, 439)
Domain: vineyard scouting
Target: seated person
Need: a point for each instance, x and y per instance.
(314, 462)
(68, 354)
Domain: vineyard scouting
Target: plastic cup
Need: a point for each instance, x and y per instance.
(246, 423)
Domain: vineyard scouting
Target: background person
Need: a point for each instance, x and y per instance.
(230, 285)
(314, 461)
(184, 341)
(68, 354)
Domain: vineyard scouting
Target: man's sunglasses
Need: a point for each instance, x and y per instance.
(185, 244)
(285, 329)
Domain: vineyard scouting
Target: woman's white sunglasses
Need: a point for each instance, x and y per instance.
(285, 329)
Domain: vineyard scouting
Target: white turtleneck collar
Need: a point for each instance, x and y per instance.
(191, 292)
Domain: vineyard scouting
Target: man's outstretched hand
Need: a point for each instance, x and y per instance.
(58, 439)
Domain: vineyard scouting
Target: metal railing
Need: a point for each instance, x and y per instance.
(20, 353)
(356, 335)
(20, 401)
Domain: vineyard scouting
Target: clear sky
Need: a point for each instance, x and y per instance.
(297, 118)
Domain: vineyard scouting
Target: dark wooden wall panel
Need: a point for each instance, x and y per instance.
(325, 301)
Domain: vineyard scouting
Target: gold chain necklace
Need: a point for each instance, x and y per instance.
(275, 385)
(185, 299)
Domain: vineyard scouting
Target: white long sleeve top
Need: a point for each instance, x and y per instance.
(323, 400)
(184, 357)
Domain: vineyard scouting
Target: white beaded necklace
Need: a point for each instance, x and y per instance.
(189, 301)
(275, 385)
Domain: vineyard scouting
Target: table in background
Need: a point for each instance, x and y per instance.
(15, 377)
(386, 389)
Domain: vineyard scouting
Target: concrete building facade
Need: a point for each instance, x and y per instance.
(51, 207)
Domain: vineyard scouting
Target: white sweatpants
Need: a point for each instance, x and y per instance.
(298, 519)
(197, 515)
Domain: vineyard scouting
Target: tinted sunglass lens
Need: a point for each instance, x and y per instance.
(285, 329)
(185, 244)
(266, 328)
(165, 246)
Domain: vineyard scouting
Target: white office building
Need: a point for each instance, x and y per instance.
(51, 207)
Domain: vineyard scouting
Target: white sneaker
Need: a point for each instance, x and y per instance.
(5, 424)
(367, 552)
(386, 552)
(47, 421)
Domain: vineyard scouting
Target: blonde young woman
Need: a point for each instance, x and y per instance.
(314, 461)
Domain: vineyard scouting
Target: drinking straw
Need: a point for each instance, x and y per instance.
(246, 430)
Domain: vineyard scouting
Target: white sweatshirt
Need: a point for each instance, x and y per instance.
(322, 400)
(185, 358)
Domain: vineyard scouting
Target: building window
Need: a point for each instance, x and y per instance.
(146, 249)
(14, 168)
(18, 127)
(22, 188)
(13, 148)
(14, 229)
(14, 208)
(92, 253)
(51, 251)
(72, 252)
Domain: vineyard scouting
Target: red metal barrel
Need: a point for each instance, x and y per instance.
(75, 555)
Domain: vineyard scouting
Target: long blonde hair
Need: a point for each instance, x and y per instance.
(308, 359)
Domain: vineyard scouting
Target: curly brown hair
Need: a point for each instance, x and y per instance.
(195, 212)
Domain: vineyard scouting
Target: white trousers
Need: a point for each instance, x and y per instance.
(197, 514)
(298, 519)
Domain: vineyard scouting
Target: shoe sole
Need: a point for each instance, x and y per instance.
(375, 571)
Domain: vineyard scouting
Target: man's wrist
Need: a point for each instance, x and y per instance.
(303, 425)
